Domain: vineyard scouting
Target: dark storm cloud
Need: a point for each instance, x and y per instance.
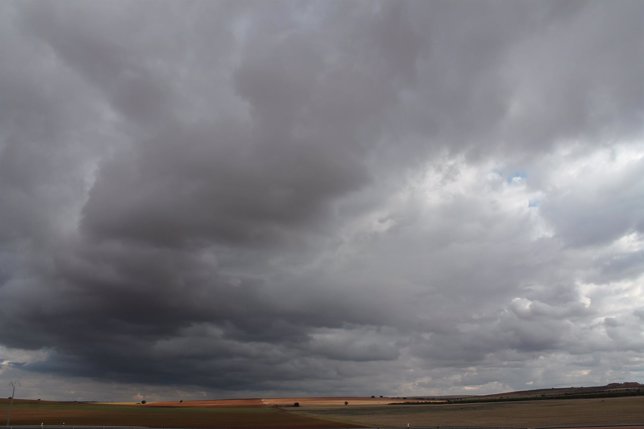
(324, 197)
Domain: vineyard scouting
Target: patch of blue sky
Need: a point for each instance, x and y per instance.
(517, 177)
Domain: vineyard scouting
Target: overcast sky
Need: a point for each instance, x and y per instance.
(223, 199)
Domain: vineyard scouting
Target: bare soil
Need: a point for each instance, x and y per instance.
(232, 417)
(328, 401)
(543, 413)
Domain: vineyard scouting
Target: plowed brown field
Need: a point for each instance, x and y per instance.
(275, 402)
(215, 403)
(544, 413)
(217, 417)
(328, 401)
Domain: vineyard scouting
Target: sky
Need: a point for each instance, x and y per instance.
(212, 199)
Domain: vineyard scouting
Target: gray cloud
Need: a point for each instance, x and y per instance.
(599, 211)
(247, 198)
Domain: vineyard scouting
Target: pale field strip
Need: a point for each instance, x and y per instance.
(328, 401)
(278, 402)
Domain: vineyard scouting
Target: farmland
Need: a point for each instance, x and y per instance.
(537, 413)
(234, 417)
(331, 412)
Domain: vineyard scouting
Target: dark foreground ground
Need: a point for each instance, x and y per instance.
(517, 414)
(628, 412)
(79, 414)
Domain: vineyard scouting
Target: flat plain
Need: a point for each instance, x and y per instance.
(520, 414)
(215, 417)
(330, 412)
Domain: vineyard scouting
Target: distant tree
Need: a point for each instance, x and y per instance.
(296, 404)
(346, 402)
(181, 401)
(143, 402)
(373, 396)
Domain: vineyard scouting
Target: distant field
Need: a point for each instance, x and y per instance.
(330, 401)
(581, 412)
(57, 413)
(280, 402)
(318, 413)
(251, 402)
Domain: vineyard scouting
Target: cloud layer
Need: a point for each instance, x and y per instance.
(269, 198)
